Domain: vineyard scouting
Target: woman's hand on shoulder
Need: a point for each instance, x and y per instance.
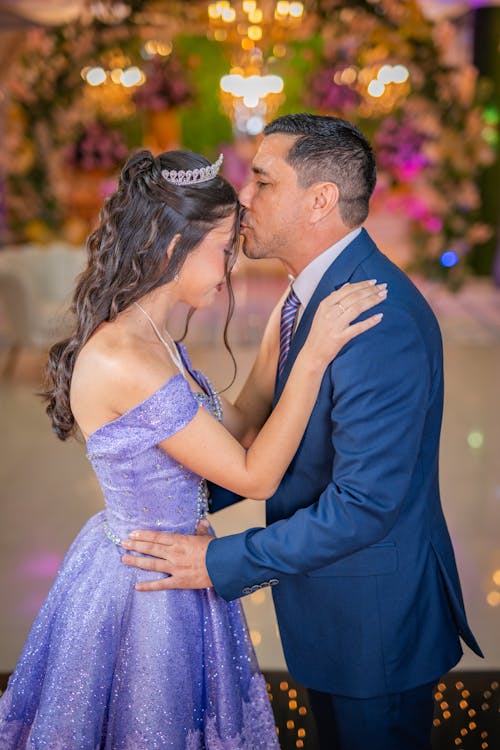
(333, 325)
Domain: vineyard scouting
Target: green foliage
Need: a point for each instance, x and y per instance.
(204, 125)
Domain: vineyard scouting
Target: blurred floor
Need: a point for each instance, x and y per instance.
(47, 488)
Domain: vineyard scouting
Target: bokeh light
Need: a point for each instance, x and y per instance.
(475, 439)
(449, 259)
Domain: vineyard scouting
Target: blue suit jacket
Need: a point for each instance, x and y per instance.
(357, 550)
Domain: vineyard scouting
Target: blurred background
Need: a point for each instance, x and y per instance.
(83, 83)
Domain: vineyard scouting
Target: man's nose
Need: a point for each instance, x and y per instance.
(245, 195)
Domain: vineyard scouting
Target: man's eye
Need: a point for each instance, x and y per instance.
(261, 184)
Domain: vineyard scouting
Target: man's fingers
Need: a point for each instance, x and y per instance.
(159, 584)
(146, 548)
(183, 557)
(165, 584)
(158, 537)
(203, 528)
(147, 563)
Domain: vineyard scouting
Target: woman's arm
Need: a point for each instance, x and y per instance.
(247, 414)
(207, 448)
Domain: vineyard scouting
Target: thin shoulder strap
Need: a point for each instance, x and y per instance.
(171, 348)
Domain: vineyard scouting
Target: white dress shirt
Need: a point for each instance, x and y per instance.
(308, 279)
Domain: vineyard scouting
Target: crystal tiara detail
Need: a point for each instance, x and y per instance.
(193, 176)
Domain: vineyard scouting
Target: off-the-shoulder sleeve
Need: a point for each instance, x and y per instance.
(157, 418)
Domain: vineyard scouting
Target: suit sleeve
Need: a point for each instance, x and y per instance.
(221, 498)
(381, 383)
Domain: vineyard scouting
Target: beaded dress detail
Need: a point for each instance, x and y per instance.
(106, 667)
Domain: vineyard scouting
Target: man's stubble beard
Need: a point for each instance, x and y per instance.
(258, 251)
(253, 254)
(252, 251)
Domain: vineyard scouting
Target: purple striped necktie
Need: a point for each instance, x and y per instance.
(288, 315)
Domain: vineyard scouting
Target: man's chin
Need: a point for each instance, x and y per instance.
(250, 251)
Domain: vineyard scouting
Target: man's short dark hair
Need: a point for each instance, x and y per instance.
(328, 149)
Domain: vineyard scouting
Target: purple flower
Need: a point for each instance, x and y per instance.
(326, 94)
(165, 86)
(416, 209)
(400, 149)
(98, 147)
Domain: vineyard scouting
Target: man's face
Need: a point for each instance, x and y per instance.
(274, 203)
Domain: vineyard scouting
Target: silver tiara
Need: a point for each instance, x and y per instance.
(193, 176)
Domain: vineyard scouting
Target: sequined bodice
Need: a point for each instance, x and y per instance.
(142, 485)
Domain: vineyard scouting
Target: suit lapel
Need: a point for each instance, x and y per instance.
(334, 277)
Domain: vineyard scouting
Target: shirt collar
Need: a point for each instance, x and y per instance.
(310, 276)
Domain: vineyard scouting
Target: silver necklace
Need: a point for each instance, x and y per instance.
(171, 348)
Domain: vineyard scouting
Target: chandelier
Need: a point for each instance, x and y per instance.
(111, 83)
(255, 33)
(248, 24)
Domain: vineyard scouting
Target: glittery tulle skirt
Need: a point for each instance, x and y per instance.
(107, 667)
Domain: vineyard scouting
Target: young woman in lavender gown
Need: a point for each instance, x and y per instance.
(105, 665)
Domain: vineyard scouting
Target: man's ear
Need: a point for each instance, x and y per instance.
(324, 200)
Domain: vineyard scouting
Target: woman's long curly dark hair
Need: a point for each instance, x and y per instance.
(127, 253)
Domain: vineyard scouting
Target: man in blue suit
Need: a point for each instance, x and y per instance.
(356, 548)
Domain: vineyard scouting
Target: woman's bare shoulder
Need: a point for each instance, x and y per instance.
(110, 353)
(113, 372)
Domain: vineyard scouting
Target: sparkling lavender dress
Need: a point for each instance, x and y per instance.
(108, 667)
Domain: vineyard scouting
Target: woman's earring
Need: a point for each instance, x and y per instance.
(176, 277)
